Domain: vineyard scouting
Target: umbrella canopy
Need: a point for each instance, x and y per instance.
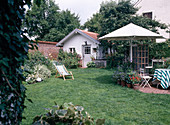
(131, 32)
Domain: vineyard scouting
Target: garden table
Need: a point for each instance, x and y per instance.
(163, 75)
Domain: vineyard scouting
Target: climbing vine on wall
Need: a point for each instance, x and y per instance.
(14, 47)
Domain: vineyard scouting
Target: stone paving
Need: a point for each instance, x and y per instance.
(153, 89)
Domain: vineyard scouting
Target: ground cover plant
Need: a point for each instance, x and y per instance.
(101, 97)
(68, 114)
(37, 66)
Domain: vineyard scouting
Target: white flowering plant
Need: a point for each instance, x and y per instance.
(40, 73)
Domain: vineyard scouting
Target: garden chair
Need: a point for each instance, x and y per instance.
(145, 78)
(62, 72)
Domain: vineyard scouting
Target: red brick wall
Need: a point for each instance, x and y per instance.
(48, 49)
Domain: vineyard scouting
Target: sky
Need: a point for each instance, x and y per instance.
(84, 8)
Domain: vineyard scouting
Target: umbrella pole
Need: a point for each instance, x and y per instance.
(131, 51)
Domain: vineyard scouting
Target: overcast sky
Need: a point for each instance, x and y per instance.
(84, 8)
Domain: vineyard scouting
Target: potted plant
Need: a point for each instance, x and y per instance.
(92, 58)
(116, 76)
(132, 78)
(122, 78)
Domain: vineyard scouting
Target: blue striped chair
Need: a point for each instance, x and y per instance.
(62, 72)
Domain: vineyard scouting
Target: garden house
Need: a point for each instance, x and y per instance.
(83, 43)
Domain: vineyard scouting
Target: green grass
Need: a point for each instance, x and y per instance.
(95, 90)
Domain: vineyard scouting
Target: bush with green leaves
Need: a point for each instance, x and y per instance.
(167, 63)
(39, 72)
(37, 66)
(67, 114)
(115, 60)
(159, 50)
(70, 60)
(36, 58)
(118, 73)
(91, 64)
(14, 47)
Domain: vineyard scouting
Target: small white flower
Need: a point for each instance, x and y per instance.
(39, 79)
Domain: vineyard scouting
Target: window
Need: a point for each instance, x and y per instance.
(148, 14)
(94, 50)
(72, 50)
(87, 50)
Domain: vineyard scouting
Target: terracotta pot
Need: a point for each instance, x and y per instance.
(135, 84)
(118, 82)
(129, 85)
(123, 83)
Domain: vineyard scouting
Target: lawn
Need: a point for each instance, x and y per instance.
(95, 90)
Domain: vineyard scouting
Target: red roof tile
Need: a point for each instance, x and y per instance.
(91, 34)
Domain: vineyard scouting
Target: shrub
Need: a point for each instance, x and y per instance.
(91, 64)
(13, 50)
(70, 60)
(68, 114)
(167, 63)
(119, 74)
(35, 58)
(159, 50)
(121, 71)
(40, 72)
(37, 66)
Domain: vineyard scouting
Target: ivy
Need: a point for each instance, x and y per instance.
(14, 47)
(159, 50)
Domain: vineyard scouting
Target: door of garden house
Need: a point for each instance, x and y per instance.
(140, 56)
(86, 54)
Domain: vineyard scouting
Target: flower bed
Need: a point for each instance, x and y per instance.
(128, 78)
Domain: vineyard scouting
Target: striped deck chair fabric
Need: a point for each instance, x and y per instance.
(62, 71)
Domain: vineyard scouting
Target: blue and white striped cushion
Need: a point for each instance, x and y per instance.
(164, 76)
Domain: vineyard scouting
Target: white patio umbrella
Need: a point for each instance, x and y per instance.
(131, 32)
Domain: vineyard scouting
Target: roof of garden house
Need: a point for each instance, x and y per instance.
(91, 34)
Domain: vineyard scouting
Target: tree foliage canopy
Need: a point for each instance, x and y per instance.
(112, 16)
(48, 23)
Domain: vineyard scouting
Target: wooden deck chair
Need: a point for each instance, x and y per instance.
(62, 71)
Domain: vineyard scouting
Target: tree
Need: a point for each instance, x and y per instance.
(14, 47)
(93, 24)
(66, 23)
(112, 16)
(48, 23)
